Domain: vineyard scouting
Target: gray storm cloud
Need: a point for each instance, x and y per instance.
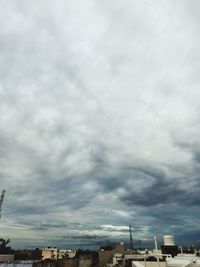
(99, 115)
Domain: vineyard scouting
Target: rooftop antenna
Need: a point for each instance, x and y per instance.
(1, 200)
(131, 238)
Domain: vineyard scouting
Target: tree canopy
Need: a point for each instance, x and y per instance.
(4, 246)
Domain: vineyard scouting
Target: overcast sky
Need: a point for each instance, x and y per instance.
(99, 121)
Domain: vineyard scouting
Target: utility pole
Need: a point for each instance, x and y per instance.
(1, 200)
(131, 238)
(155, 242)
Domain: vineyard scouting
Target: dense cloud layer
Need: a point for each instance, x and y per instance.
(99, 123)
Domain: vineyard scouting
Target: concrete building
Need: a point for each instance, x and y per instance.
(105, 256)
(7, 257)
(66, 254)
(70, 262)
(84, 262)
(120, 248)
(50, 253)
(112, 257)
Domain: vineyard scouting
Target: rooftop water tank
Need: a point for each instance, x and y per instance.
(168, 240)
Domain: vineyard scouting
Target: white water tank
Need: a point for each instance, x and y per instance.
(168, 240)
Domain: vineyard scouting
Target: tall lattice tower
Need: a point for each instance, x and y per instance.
(131, 238)
(1, 200)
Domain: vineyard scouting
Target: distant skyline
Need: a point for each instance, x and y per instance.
(99, 121)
